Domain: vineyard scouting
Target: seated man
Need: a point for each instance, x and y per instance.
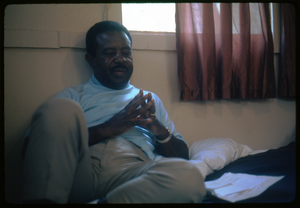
(105, 139)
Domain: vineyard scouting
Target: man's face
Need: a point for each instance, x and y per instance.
(113, 64)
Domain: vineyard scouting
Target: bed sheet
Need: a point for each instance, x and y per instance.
(274, 162)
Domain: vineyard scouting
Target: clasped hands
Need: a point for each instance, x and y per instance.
(131, 115)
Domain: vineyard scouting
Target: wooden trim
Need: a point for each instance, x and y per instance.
(65, 39)
(43, 39)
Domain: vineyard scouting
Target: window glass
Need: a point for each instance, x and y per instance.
(153, 17)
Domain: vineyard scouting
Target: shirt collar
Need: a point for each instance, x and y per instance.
(96, 81)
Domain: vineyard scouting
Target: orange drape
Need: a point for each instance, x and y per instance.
(287, 73)
(224, 51)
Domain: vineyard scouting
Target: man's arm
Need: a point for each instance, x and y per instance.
(174, 147)
(122, 121)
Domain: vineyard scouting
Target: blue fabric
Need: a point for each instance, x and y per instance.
(274, 162)
(100, 103)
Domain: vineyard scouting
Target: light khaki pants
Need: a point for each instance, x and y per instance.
(59, 167)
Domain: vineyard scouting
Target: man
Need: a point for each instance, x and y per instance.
(105, 139)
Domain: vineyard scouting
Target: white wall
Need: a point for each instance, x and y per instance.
(44, 53)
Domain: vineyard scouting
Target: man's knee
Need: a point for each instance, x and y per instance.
(59, 118)
(59, 109)
(190, 182)
(187, 181)
(60, 105)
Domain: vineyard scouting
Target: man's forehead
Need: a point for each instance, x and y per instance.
(111, 36)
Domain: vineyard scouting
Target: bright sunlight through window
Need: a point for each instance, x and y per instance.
(149, 17)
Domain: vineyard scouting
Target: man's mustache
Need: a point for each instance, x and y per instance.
(118, 67)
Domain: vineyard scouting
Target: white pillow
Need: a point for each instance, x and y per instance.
(214, 153)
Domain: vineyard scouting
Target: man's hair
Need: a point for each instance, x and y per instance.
(102, 27)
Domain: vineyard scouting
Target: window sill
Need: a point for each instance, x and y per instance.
(158, 41)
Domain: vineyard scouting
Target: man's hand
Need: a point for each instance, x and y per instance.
(155, 126)
(127, 118)
(174, 147)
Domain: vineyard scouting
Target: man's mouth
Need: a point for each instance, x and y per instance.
(119, 70)
(119, 73)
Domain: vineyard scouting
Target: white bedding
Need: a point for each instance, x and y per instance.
(214, 153)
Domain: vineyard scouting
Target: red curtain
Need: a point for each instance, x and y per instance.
(224, 51)
(287, 74)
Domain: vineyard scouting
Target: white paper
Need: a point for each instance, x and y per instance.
(258, 151)
(228, 190)
(237, 186)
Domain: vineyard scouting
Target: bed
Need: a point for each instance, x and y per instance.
(217, 156)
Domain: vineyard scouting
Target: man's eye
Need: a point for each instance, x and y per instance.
(109, 52)
(126, 53)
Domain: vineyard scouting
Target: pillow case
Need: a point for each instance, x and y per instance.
(214, 153)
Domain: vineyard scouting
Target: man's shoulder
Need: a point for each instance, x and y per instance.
(73, 92)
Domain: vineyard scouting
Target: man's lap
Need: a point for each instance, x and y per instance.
(122, 161)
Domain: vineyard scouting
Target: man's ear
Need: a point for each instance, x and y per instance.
(90, 59)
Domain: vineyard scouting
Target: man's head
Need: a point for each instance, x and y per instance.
(108, 46)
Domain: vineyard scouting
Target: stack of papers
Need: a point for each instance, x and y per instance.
(237, 186)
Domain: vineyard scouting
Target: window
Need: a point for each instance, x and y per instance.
(149, 17)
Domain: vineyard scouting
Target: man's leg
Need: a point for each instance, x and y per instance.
(168, 180)
(126, 175)
(57, 165)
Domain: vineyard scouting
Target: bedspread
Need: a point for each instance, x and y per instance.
(274, 162)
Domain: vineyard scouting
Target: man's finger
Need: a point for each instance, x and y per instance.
(149, 97)
(144, 103)
(152, 108)
(141, 110)
(141, 122)
(130, 109)
(139, 95)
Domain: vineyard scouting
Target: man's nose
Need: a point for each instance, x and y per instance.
(120, 58)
